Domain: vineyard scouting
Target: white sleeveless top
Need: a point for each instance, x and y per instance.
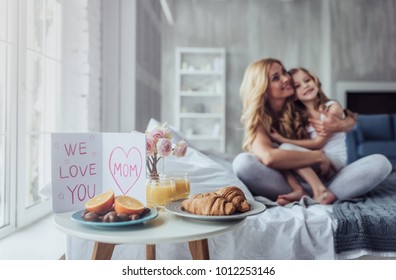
(335, 148)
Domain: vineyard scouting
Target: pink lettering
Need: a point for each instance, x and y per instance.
(82, 148)
(81, 192)
(125, 170)
(74, 170)
(71, 148)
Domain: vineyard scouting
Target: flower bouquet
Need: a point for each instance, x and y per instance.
(159, 145)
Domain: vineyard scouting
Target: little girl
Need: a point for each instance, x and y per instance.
(311, 102)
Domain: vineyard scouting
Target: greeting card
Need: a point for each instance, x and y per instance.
(88, 164)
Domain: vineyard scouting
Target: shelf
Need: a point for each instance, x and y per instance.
(200, 92)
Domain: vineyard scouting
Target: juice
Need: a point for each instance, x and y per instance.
(160, 192)
(182, 188)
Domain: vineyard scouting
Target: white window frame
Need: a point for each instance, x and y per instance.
(11, 125)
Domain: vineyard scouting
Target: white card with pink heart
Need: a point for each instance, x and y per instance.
(88, 164)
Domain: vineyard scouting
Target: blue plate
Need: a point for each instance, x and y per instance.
(78, 218)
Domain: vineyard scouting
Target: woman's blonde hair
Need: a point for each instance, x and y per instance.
(256, 110)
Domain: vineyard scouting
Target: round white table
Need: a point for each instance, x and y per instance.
(165, 228)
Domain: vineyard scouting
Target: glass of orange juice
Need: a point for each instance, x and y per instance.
(160, 192)
(182, 181)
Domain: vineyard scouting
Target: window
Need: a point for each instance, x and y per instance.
(33, 101)
(7, 84)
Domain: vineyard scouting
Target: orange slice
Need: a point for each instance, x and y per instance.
(100, 203)
(128, 205)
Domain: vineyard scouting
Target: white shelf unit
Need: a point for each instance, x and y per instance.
(200, 95)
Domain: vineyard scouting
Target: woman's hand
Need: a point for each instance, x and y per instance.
(275, 136)
(329, 125)
(333, 122)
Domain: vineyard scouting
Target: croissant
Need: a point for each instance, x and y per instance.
(236, 197)
(208, 204)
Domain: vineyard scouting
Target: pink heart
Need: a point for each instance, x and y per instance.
(125, 167)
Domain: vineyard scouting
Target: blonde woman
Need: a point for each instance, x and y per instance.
(267, 97)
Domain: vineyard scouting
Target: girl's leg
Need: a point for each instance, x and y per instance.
(260, 179)
(360, 177)
(297, 190)
(320, 193)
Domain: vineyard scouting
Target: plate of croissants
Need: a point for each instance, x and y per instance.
(224, 204)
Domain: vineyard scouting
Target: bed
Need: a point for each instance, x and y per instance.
(303, 230)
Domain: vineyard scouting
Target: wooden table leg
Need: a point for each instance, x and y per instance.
(199, 249)
(102, 251)
(150, 252)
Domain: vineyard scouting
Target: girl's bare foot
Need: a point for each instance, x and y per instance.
(290, 197)
(325, 197)
(282, 201)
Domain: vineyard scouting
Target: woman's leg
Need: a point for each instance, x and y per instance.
(360, 177)
(260, 179)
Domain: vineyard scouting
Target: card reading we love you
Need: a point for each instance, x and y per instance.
(88, 164)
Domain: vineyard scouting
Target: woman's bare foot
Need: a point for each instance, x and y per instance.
(325, 197)
(290, 197)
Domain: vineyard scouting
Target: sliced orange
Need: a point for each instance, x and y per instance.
(100, 203)
(128, 205)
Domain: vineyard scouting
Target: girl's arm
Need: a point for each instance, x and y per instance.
(285, 159)
(312, 144)
(321, 139)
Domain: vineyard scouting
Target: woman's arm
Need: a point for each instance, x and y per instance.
(285, 159)
(333, 122)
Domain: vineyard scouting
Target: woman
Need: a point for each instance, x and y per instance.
(267, 95)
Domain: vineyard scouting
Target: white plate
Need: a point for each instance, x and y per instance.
(176, 208)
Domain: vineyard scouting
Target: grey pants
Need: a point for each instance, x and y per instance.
(354, 180)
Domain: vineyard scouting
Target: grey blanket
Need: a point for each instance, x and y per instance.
(368, 223)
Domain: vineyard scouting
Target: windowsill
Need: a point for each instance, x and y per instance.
(39, 241)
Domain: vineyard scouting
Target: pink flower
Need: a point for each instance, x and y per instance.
(156, 134)
(159, 145)
(150, 146)
(180, 149)
(168, 133)
(164, 147)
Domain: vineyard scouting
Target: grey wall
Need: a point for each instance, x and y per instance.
(337, 39)
(363, 40)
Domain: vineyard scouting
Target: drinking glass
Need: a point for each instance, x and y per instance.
(160, 191)
(182, 181)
